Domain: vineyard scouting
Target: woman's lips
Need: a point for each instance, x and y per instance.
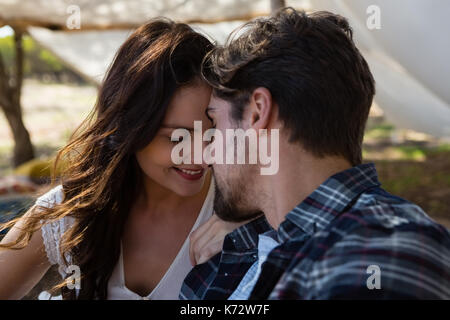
(189, 174)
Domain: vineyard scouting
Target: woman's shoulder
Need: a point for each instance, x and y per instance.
(52, 197)
(54, 228)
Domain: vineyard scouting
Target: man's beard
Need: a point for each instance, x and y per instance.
(228, 208)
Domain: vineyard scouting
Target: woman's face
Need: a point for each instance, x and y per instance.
(186, 106)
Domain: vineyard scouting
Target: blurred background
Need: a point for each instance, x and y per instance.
(54, 54)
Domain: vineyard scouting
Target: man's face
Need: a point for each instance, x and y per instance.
(235, 188)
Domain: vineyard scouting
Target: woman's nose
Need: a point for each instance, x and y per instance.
(194, 154)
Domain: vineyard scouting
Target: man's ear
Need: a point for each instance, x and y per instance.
(260, 108)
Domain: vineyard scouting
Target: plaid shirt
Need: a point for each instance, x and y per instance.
(348, 233)
(220, 276)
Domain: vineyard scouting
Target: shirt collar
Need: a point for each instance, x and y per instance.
(245, 237)
(330, 199)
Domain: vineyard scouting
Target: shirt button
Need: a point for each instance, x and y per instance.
(226, 274)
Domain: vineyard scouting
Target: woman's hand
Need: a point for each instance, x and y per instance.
(207, 240)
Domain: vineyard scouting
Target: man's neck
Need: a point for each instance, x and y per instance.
(300, 173)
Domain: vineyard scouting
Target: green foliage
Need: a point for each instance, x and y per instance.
(441, 149)
(50, 60)
(7, 51)
(406, 176)
(382, 131)
(38, 60)
(412, 152)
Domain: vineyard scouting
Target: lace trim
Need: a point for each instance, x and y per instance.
(51, 234)
(53, 231)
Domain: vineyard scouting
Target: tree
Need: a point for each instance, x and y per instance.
(10, 92)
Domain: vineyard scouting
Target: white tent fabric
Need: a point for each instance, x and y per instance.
(91, 52)
(408, 55)
(131, 13)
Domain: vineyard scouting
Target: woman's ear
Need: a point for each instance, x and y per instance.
(261, 105)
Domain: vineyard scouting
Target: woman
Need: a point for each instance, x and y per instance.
(124, 211)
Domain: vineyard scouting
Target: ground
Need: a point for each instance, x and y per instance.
(411, 165)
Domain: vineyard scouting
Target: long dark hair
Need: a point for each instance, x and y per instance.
(103, 176)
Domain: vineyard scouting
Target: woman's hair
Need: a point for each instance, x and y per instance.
(103, 176)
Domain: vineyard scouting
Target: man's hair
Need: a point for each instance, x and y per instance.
(321, 83)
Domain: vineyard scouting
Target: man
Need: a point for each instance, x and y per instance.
(338, 235)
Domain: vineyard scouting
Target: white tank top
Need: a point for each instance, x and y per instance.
(168, 287)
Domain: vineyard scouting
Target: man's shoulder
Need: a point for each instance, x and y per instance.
(379, 233)
(380, 215)
(377, 217)
(377, 206)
